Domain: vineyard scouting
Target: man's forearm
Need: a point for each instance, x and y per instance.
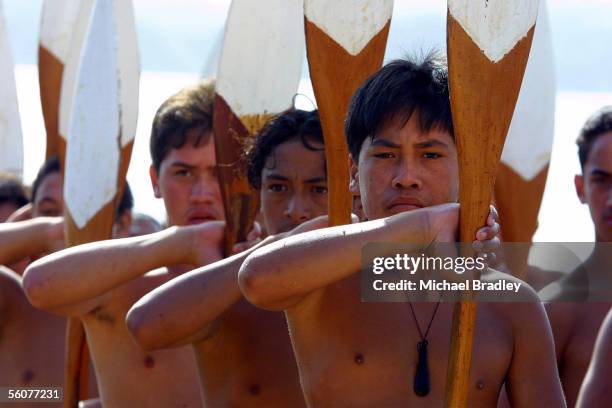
(279, 275)
(83, 272)
(23, 239)
(159, 319)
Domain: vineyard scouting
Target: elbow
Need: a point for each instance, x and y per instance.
(142, 328)
(254, 282)
(36, 288)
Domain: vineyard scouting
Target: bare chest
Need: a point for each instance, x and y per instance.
(248, 361)
(347, 345)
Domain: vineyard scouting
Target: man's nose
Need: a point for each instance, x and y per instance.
(202, 190)
(297, 209)
(406, 176)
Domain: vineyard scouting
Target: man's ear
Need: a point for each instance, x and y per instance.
(154, 182)
(123, 225)
(354, 170)
(579, 183)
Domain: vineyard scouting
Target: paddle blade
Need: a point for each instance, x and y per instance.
(524, 162)
(342, 53)
(11, 140)
(259, 72)
(56, 26)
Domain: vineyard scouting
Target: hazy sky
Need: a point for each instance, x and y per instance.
(184, 35)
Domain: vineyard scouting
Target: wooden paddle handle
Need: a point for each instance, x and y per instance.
(240, 201)
(75, 388)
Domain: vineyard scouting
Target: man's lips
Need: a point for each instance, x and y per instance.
(404, 204)
(199, 216)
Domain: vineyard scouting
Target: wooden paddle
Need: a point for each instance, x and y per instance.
(56, 27)
(98, 111)
(345, 42)
(488, 46)
(11, 140)
(524, 162)
(259, 72)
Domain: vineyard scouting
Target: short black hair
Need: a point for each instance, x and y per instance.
(52, 165)
(598, 124)
(127, 201)
(190, 108)
(12, 191)
(292, 125)
(399, 89)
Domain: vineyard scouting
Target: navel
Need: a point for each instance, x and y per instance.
(255, 389)
(27, 376)
(359, 359)
(480, 385)
(149, 361)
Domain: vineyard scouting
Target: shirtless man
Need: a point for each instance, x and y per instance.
(99, 282)
(32, 341)
(287, 166)
(13, 195)
(244, 353)
(576, 322)
(597, 386)
(354, 354)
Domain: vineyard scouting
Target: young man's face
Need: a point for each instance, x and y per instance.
(594, 186)
(293, 186)
(49, 200)
(187, 181)
(403, 169)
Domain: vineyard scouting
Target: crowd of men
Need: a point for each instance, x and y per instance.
(172, 322)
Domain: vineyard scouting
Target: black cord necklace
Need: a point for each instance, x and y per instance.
(422, 383)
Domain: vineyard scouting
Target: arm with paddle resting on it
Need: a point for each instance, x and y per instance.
(76, 280)
(281, 275)
(158, 320)
(30, 238)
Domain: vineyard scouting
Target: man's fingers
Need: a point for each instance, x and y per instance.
(488, 245)
(255, 232)
(493, 216)
(487, 233)
(243, 246)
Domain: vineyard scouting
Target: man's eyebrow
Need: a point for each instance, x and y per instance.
(183, 165)
(430, 143)
(315, 180)
(47, 200)
(276, 177)
(384, 143)
(599, 172)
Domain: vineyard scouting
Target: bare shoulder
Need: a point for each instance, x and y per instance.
(571, 287)
(520, 305)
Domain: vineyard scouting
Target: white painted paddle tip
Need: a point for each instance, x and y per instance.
(261, 59)
(351, 23)
(11, 139)
(495, 26)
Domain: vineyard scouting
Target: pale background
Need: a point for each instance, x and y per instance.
(179, 40)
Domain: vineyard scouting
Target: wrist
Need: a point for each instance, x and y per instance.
(172, 246)
(412, 226)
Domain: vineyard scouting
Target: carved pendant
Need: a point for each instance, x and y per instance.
(422, 385)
